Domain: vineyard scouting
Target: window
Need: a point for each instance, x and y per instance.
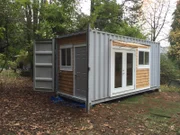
(143, 58)
(65, 59)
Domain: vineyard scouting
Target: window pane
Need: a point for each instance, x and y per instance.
(141, 57)
(118, 70)
(68, 57)
(146, 58)
(63, 57)
(129, 78)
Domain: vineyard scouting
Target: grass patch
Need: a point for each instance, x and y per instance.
(159, 116)
(156, 124)
(134, 99)
(155, 119)
(161, 112)
(9, 73)
(158, 120)
(165, 88)
(164, 108)
(162, 102)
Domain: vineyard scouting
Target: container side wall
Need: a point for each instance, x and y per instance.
(99, 48)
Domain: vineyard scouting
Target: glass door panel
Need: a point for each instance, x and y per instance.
(118, 70)
(129, 67)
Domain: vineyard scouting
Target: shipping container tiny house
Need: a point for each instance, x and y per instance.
(95, 66)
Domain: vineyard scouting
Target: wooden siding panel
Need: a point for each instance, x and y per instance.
(66, 82)
(142, 78)
(130, 45)
(78, 39)
(66, 78)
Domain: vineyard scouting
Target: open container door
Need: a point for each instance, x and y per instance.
(44, 65)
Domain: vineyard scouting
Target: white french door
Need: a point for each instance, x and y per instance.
(122, 71)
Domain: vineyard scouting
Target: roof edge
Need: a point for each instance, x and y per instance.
(127, 37)
(72, 34)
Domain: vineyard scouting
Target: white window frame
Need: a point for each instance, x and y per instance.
(65, 68)
(143, 50)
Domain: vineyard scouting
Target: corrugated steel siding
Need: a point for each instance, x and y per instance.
(99, 62)
(155, 66)
(44, 65)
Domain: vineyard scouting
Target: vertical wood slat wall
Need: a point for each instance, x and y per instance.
(66, 78)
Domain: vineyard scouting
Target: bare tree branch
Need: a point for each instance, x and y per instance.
(164, 20)
(159, 15)
(155, 15)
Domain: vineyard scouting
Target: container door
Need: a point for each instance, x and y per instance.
(80, 71)
(44, 65)
(123, 71)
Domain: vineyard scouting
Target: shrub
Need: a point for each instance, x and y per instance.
(169, 71)
(2, 60)
(12, 65)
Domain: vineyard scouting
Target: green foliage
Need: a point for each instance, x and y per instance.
(12, 65)
(174, 38)
(166, 88)
(2, 60)
(11, 31)
(81, 22)
(45, 30)
(9, 74)
(23, 21)
(55, 20)
(106, 13)
(22, 57)
(2, 29)
(174, 52)
(12, 37)
(176, 23)
(126, 30)
(132, 11)
(108, 16)
(168, 69)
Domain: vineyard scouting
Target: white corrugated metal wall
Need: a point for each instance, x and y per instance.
(99, 63)
(155, 66)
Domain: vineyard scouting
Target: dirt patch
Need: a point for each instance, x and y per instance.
(24, 111)
(171, 96)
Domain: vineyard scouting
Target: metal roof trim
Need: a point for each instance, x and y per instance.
(72, 34)
(128, 37)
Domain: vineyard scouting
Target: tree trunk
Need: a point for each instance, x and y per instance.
(35, 16)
